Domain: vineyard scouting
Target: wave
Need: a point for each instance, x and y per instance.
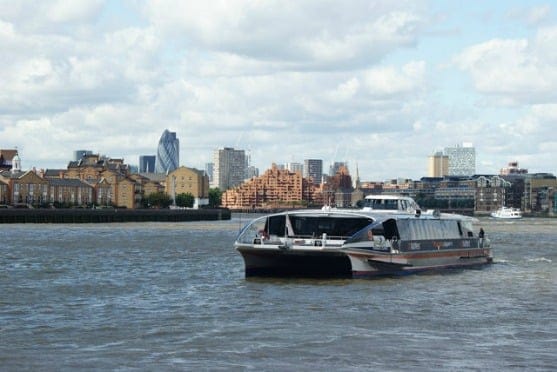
(540, 259)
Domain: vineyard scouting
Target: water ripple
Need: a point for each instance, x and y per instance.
(174, 296)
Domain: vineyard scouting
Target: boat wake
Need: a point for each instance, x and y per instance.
(540, 259)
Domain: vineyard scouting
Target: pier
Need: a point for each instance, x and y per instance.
(108, 215)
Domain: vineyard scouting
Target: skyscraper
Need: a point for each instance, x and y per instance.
(229, 168)
(168, 153)
(295, 167)
(209, 170)
(462, 160)
(313, 168)
(147, 163)
(336, 167)
(438, 165)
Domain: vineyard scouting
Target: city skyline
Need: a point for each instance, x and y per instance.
(382, 85)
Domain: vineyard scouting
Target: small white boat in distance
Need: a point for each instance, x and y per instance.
(507, 213)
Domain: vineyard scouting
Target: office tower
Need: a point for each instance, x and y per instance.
(336, 167)
(438, 165)
(209, 171)
(78, 154)
(229, 168)
(168, 153)
(313, 168)
(252, 171)
(295, 167)
(462, 160)
(147, 163)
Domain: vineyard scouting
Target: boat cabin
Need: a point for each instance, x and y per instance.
(389, 203)
(304, 226)
(407, 234)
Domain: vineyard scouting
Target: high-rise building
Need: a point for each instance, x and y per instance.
(336, 167)
(147, 163)
(229, 168)
(295, 167)
(462, 160)
(438, 165)
(168, 153)
(313, 168)
(252, 171)
(209, 170)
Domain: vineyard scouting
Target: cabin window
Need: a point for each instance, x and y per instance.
(390, 230)
(276, 225)
(417, 229)
(387, 204)
(317, 226)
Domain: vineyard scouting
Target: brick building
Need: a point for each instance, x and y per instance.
(276, 188)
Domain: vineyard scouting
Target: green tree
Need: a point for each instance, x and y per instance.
(185, 200)
(159, 199)
(215, 197)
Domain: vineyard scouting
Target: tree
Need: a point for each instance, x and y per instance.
(159, 199)
(185, 200)
(215, 197)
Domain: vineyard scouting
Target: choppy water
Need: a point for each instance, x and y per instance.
(173, 296)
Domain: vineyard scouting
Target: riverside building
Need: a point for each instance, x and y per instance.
(275, 188)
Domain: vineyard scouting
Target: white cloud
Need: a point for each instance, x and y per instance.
(321, 35)
(515, 70)
(387, 80)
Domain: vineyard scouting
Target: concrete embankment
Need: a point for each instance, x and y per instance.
(13, 215)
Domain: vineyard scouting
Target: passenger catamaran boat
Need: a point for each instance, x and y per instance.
(388, 236)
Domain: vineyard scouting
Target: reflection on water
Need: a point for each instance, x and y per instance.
(173, 295)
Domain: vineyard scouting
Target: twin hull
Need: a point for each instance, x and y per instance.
(354, 263)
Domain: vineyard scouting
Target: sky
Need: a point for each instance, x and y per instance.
(381, 85)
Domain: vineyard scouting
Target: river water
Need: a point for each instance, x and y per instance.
(172, 296)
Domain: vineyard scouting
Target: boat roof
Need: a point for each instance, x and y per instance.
(376, 215)
(389, 197)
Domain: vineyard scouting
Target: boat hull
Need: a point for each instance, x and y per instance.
(366, 264)
(277, 262)
(288, 262)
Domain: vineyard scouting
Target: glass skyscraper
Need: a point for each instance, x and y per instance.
(168, 153)
(147, 163)
(313, 168)
(462, 160)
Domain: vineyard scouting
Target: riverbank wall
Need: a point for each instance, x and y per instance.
(107, 215)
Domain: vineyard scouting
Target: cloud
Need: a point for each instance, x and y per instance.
(300, 35)
(533, 16)
(520, 71)
(50, 16)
